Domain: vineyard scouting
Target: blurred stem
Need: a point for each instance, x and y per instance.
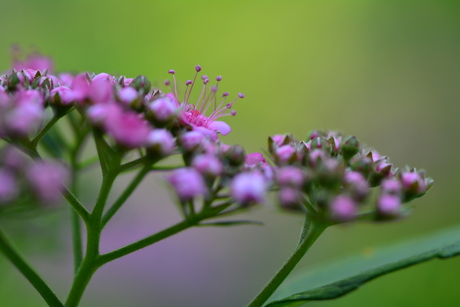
(45, 129)
(32, 276)
(126, 193)
(310, 232)
(189, 222)
(89, 264)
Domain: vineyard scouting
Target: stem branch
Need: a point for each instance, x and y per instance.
(310, 232)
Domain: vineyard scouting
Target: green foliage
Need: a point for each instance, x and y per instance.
(340, 278)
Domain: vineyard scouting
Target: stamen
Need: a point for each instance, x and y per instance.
(197, 69)
(172, 72)
(186, 88)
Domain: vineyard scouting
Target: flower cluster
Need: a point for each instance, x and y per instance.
(128, 110)
(331, 176)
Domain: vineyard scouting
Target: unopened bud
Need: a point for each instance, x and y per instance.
(141, 83)
(349, 147)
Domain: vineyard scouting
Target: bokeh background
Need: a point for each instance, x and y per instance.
(385, 71)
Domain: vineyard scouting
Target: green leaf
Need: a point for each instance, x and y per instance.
(346, 275)
(231, 223)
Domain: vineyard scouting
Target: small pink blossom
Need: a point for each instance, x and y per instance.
(195, 114)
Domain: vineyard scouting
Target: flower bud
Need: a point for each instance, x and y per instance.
(160, 143)
(162, 111)
(414, 185)
(235, 155)
(388, 205)
(254, 158)
(141, 83)
(208, 165)
(343, 208)
(248, 188)
(349, 147)
(191, 140)
(291, 199)
(290, 176)
(188, 183)
(357, 185)
(285, 154)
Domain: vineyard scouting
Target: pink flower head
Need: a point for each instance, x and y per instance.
(194, 114)
(343, 208)
(188, 183)
(47, 180)
(248, 188)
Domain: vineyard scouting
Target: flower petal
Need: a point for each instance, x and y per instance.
(221, 127)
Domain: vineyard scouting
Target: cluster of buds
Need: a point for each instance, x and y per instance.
(24, 182)
(215, 170)
(331, 176)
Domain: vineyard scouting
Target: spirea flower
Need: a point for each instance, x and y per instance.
(205, 111)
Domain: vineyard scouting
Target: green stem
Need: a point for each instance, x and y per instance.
(126, 193)
(90, 262)
(33, 277)
(76, 205)
(190, 222)
(45, 129)
(310, 232)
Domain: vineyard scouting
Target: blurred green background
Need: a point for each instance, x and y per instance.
(385, 71)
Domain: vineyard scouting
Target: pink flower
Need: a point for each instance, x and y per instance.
(194, 114)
